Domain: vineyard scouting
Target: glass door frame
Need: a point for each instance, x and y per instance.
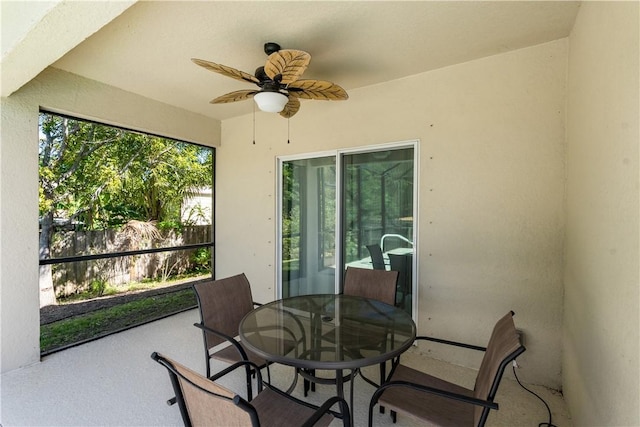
(338, 154)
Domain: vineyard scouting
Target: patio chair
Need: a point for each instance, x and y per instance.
(442, 403)
(222, 304)
(378, 285)
(374, 284)
(202, 402)
(402, 264)
(377, 259)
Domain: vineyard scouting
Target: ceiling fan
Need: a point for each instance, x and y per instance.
(279, 83)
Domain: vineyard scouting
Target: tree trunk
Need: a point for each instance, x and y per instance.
(47, 292)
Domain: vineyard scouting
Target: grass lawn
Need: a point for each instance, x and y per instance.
(102, 322)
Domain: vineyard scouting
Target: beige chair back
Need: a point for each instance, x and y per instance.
(205, 402)
(223, 303)
(504, 345)
(374, 284)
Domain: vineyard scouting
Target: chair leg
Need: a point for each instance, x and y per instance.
(309, 385)
(249, 385)
(383, 372)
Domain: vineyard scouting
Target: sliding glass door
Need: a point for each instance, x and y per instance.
(307, 226)
(347, 208)
(377, 214)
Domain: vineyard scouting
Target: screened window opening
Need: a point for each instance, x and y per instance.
(125, 224)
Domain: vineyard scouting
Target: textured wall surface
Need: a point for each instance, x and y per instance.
(491, 218)
(19, 304)
(27, 26)
(601, 318)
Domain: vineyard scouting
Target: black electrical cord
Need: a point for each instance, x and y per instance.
(548, 424)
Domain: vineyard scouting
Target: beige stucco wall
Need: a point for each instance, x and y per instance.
(27, 26)
(601, 319)
(491, 219)
(65, 93)
(19, 304)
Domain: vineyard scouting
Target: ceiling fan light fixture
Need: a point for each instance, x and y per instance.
(271, 102)
(279, 82)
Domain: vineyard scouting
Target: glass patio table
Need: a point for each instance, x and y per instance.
(327, 332)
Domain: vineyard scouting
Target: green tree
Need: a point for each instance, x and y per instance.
(98, 177)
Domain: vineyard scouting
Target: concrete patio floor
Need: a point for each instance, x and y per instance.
(113, 382)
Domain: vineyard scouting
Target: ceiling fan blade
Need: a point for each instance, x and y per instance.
(238, 95)
(288, 63)
(226, 71)
(290, 108)
(317, 89)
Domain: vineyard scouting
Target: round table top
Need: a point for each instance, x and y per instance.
(327, 331)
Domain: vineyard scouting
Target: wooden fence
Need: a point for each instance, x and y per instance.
(73, 277)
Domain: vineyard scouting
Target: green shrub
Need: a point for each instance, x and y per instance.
(201, 260)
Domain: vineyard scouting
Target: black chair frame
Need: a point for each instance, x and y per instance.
(245, 405)
(487, 404)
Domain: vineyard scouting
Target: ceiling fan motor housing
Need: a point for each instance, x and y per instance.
(271, 47)
(271, 86)
(261, 75)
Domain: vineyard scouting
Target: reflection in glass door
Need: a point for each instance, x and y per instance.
(377, 214)
(308, 228)
(354, 208)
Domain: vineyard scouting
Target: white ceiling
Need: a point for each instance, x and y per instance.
(147, 49)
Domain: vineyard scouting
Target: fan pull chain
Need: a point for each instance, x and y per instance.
(288, 130)
(254, 123)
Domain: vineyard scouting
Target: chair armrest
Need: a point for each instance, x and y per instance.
(226, 337)
(242, 363)
(396, 361)
(454, 343)
(344, 414)
(160, 359)
(298, 323)
(427, 389)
